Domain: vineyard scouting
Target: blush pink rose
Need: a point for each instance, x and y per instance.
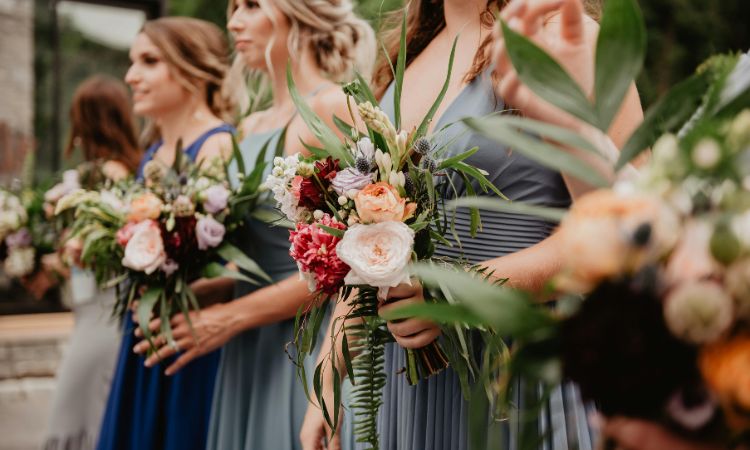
(381, 202)
(145, 249)
(125, 233)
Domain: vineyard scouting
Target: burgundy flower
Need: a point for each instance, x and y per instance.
(312, 190)
(180, 243)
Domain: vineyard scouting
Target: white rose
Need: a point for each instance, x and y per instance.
(19, 262)
(698, 312)
(145, 250)
(378, 254)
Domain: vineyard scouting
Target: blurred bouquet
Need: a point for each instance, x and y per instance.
(363, 211)
(163, 234)
(24, 233)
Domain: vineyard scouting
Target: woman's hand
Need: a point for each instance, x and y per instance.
(560, 28)
(632, 434)
(212, 328)
(315, 433)
(409, 333)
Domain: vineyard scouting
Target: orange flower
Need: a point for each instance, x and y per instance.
(725, 366)
(143, 207)
(381, 202)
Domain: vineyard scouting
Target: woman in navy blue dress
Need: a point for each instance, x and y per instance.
(178, 67)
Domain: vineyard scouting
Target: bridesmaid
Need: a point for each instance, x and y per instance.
(178, 67)
(102, 126)
(259, 403)
(433, 414)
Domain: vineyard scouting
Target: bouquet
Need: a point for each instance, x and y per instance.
(24, 233)
(163, 234)
(363, 211)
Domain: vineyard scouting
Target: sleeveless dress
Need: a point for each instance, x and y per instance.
(85, 374)
(148, 410)
(433, 414)
(259, 403)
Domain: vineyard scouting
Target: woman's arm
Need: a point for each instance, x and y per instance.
(214, 326)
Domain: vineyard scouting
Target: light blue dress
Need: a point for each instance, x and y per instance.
(433, 414)
(259, 403)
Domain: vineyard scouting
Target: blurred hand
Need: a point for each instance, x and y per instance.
(559, 27)
(632, 434)
(212, 328)
(52, 262)
(409, 333)
(315, 433)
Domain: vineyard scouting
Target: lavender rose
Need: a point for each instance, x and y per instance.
(209, 232)
(350, 179)
(21, 238)
(216, 198)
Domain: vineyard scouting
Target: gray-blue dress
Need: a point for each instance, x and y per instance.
(433, 414)
(258, 401)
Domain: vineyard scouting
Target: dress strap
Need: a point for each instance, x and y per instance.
(192, 150)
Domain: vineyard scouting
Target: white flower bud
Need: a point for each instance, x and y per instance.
(401, 179)
(665, 149)
(706, 153)
(343, 200)
(387, 163)
(393, 179)
(278, 161)
(318, 214)
(278, 171)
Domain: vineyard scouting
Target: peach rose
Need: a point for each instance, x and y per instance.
(725, 367)
(144, 207)
(381, 202)
(145, 249)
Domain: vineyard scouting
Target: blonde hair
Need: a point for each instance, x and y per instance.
(197, 54)
(340, 41)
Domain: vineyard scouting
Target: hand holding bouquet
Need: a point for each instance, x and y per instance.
(162, 235)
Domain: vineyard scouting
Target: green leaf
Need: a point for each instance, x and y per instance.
(145, 308)
(346, 355)
(444, 313)
(398, 76)
(620, 51)
(554, 133)
(328, 139)
(491, 204)
(450, 162)
(365, 90)
(539, 151)
(667, 114)
(237, 155)
(343, 127)
(424, 126)
(335, 232)
(231, 253)
(543, 75)
(735, 93)
(216, 270)
(508, 311)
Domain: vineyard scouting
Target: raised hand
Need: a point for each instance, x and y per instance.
(409, 333)
(559, 27)
(212, 327)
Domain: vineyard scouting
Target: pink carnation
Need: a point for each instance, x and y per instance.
(314, 250)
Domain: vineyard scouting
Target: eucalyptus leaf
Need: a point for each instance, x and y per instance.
(667, 114)
(546, 78)
(231, 253)
(539, 151)
(620, 51)
(491, 204)
(330, 141)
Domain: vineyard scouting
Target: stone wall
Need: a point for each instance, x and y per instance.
(16, 83)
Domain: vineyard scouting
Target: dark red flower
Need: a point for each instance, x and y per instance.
(180, 243)
(312, 190)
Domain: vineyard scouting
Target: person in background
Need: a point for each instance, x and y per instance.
(103, 129)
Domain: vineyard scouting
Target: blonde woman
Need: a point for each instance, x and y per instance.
(176, 76)
(259, 403)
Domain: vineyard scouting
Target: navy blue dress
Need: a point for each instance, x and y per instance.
(148, 410)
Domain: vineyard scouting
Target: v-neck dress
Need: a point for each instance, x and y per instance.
(148, 410)
(433, 414)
